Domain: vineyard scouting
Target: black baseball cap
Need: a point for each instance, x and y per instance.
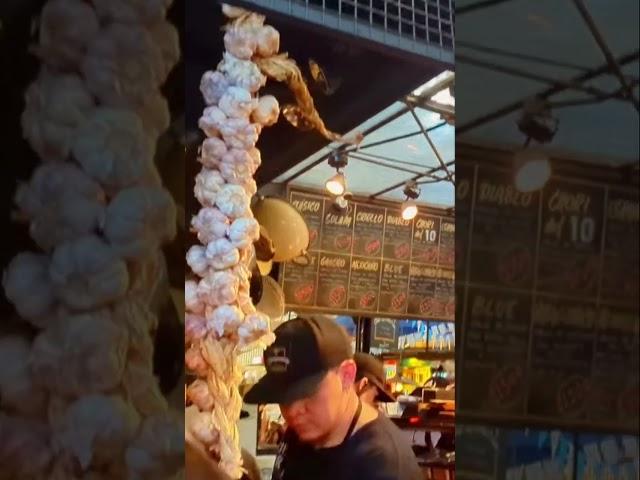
(298, 360)
(372, 369)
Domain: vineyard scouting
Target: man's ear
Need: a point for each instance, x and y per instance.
(361, 385)
(348, 371)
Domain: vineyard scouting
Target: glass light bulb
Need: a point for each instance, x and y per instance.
(409, 209)
(532, 172)
(336, 185)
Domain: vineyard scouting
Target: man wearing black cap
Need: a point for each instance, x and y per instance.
(370, 384)
(331, 433)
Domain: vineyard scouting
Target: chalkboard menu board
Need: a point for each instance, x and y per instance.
(616, 366)
(561, 357)
(369, 260)
(494, 365)
(571, 239)
(548, 298)
(504, 232)
(620, 269)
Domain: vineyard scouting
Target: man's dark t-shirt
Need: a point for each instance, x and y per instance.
(375, 452)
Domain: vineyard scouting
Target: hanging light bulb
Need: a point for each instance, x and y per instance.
(532, 171)
(337, 184)
(409, 206)
(341, 203)
(409, 209)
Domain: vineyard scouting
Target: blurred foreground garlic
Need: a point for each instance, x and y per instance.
(79, 398)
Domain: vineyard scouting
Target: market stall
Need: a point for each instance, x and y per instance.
(373, 271)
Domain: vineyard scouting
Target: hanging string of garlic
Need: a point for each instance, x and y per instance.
(80, 399)
(221, 317)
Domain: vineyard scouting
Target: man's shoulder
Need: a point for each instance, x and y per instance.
(383, 429)
(384, 450)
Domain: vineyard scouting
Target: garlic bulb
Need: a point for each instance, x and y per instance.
(96, 429)
(213, 85)
(192, 302)
(28, 273)
(194, 362)
(123, 66)
(86, 273)
(80, 354)
(52, 181)
(242, 161)
(197, 259)
(243, 232)
(55, 107)
(239, 133)
(18, 391)
(221, 254)
(210, 224)
(266, 112)
(254, 326)
(233, 201)
(236, 173)
(250, 187)
(267, 41)
(155, 116)
(199, 425)
(224, 319)
(166, 40)
(254, 153)
(199, 394)
(25, 448)
(158, 449)
(212, 120)
(112, 148)
(212, 151)
(139, 220)
(66, 28)
(219, 288)
(240, 42)
(209, 183)
(195, 328)
(237, 103)
(64, 219)
(242, 73)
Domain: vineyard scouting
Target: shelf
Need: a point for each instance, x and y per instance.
(420, 354)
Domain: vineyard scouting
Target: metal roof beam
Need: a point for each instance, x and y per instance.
(516, 72)
(606, 51)
(378, 125)
(400, 137)
(417, 177)
(514, 106)
(431, 144)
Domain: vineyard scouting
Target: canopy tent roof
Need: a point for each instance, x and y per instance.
(581, 55)
(407, 140)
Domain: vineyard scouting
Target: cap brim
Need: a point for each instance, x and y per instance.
(383, 394)
(271, 389)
